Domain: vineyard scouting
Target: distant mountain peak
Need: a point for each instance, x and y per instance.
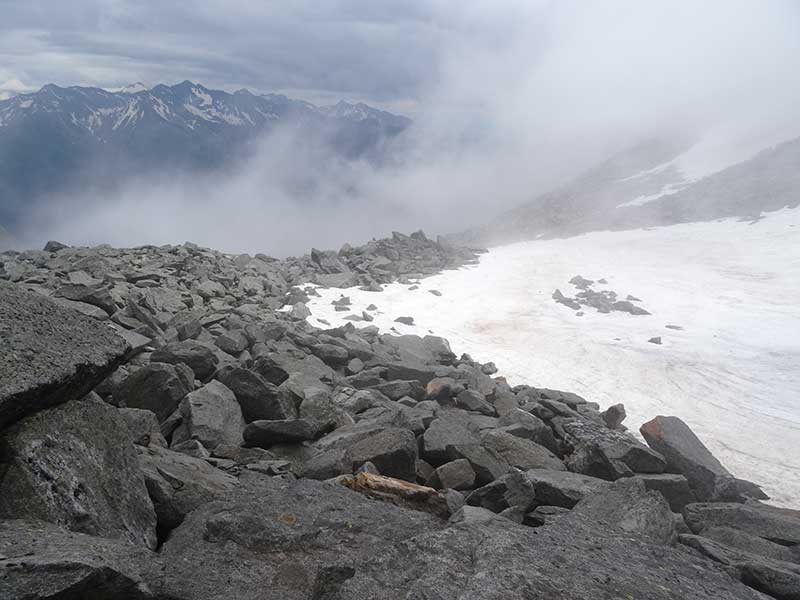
(135, 129)
(133, 88)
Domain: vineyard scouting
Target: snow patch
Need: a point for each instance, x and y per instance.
(205, 98)
(731, 373)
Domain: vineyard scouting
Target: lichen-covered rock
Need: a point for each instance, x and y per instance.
(75, 465)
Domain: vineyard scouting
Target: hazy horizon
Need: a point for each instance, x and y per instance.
(507, 103)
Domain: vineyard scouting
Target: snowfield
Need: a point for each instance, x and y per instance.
(732, 373)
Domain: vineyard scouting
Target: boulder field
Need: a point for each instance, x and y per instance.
(172, 427)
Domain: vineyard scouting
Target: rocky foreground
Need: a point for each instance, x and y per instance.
(167, 432)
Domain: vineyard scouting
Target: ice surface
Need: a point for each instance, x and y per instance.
(732, 373)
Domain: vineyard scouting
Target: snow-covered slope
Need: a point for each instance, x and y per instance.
(661, 182)
(732, 372)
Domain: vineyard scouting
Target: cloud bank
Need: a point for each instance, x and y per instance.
(508, 98)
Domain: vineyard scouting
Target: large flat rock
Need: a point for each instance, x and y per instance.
(49, 354)
(75, 465)
(301, 540)
(39, 560)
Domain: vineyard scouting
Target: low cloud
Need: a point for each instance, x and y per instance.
(508, 100)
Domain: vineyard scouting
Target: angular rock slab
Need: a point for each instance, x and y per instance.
(485, 558)
(275, 539)
(777, 578)
(49, 354)
(626, 505)
(562, 488)
(686, 454)
(258, 398)
(521, 453)
(157, 387)
(608, 454)
(393, 452)
(776, 525)
(212, 416)
(200, 358)
(40, 560)
(75, 465)
(178, 484)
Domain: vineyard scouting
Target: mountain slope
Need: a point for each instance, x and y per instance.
(654, 183)
(61, 137)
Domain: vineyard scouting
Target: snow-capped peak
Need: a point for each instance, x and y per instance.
(133, 88)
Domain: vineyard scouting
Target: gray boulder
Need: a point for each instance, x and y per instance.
(178, 484)
(234, 342)
(686, 454)
(675, 488)
(75, 465)
(777, 578)
(392, 451)
(331, 354)
(781, 526)
(524, 424)
(210, 415)
(475, 401)
(143, 427)
(157, 387)
(442, 433)
(607, 454)
(287, 540)
(487, 464)
(257, 398)
(627, 506)
(397, 389)
(48, 354)
(40, 560)
(456, 475)
(520, 453)
(96, 295)
(264, 434)
(562, 488)
(199, 357)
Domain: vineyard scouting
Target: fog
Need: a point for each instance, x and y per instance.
(508, 100)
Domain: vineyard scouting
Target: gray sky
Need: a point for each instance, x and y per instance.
(509, 97)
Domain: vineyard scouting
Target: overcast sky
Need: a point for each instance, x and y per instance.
(388, 52)
(509, 97)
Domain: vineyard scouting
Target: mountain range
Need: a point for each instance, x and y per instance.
(59, 138)
(657, 182)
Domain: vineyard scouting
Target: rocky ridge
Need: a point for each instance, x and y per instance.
(173, 427)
